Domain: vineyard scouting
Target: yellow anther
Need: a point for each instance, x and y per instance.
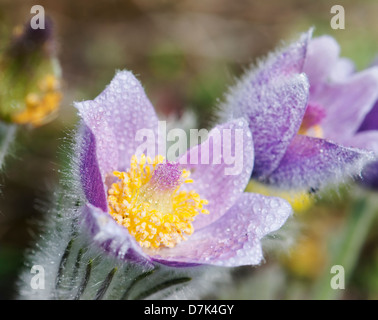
(148, 202)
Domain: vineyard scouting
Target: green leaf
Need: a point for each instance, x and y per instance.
(348, 245)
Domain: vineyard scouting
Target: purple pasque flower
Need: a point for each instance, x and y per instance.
(150, 209)
(347, 98)
(367, 134)
(284, 106)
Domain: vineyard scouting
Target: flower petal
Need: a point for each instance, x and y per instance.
(347, 103)
(115, 117)
(343, 68)
(312, 163)
(90, 176)
(111, 236)
(365, 140)
(216, 178)
(371, 120)
(368, 140)
(277, 122)
(273, 99)
(322, 55)
(275, 115)
(370, 176)
(234, 239)
(285, 62)
(313, 116)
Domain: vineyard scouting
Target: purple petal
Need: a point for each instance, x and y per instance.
(367, 137)
(370, 176)
(312, 163)
(273, 99)
(365, 140)
(343, 68)
(322, 55)
(115, 117)
(285, 62)
(112, 237)
(234, 239)
(90, 176)
(313, 116)
(219, 180)
(275, 115)
(371, 120)
(368, 140)
(347, 103)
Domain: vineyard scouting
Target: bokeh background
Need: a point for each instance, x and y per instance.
(186, 53)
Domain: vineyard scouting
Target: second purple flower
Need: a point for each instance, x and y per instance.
(304, 107)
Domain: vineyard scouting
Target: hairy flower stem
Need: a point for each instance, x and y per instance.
(76, 269)
(348, 246)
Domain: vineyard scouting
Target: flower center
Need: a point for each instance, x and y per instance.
(147, 201)
(41, 105)
(311, 121)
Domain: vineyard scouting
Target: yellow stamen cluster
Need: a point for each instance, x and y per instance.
(157, 217)
(40, 106)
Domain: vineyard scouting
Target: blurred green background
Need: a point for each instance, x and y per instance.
(185, 53)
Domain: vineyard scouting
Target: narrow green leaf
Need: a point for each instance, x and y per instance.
(162, 286)
(105, 285)
(85, 280)
(350, 243)
(76, 268)
(62, 263)
(139, 278)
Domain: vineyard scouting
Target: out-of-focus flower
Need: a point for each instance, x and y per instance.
(30, 77)
(346, 100)
(307, 258)
(295, 113)
(299, 201)
(335, 84)
(150, 209)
